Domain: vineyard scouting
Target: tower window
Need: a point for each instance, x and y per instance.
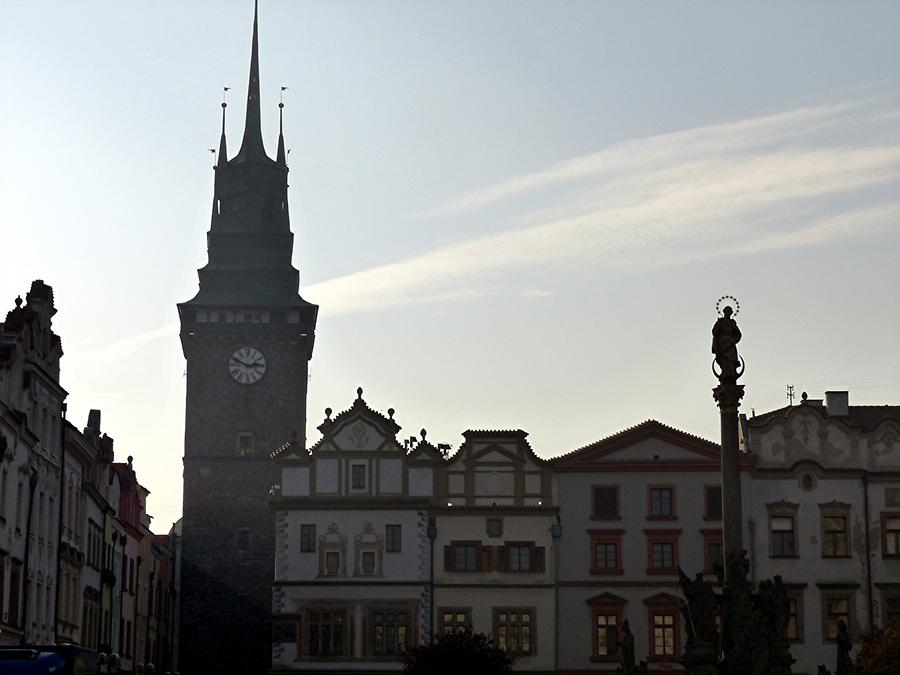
(243, 540)
(245, 444)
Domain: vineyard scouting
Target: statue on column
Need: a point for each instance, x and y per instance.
(725, 336)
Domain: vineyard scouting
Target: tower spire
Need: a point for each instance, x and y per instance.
(282, 157)
(252, 143)
(222, 157)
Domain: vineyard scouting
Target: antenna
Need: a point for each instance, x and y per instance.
(790, 394)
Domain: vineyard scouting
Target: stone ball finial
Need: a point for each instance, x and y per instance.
(804, 396)
(18, 301)
(130, 460)
(359, 393)
(424, 433)
(391, 413)
(328, 413)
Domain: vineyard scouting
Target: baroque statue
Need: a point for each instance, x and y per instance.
(725, 336)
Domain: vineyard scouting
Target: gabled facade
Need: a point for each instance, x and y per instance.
(496, 554)
(825, 515)
(634, 508)
(31, 418)
(352, 581)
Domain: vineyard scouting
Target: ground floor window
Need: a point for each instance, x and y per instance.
(455, 620)
(390, 631)
(325, 630)
(607, 628)
(514, 631)
(837, 609)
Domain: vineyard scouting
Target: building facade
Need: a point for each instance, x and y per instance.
(824, 512)
(247, 336)
(635, 507)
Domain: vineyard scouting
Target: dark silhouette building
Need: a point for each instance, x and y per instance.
(247, 336)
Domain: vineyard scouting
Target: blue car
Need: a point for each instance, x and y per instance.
(48, 660)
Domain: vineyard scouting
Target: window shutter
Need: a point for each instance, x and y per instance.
(502, 562)
(537, 562)
(448, 558)
(484, 562)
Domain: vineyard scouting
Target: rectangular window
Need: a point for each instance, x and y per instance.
(837, 609)
(15, 581)
(663, 641)
(307, 538)
(392, 538)
(494, 527)
(782, 537)
(358, 476)
(518, 558)
(245, 444)
(243, 540)
(606, 626)
(368, 562)
(891, 609)
(662, 502)
(662, 555)
(606, 501)
(834, 539)
(389, 632)
(465, 558)
(514, 631)
(891, 534)
(606, 556)
(713, 502)
(332, 563)
(455, 620)
(714, 555)
(325, 633)
(793, 625)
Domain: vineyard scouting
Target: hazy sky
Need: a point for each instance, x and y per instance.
(513, 214)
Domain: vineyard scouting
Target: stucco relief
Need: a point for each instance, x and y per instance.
(358, 435)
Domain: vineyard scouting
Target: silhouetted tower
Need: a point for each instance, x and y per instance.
(247, 336)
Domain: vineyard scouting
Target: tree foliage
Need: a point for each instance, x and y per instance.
(880, 652)
(454, 653)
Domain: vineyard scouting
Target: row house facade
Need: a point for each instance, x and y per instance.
(635, 508)
(824, 513)
(382, 542)
(69, 516)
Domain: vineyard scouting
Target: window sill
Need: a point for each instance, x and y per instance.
(606, 517)
(662, 571)
(608, 572)
(674, 517)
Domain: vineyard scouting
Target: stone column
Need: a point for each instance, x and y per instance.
(728, 396)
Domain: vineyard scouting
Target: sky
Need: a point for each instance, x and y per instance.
(512, 214)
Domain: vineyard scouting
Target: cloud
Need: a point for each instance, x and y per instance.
(122, 349)
(536, 294)
(798, 178)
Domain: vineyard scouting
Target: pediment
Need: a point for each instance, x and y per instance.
(606, 599)
(662, 599)
(649, 441)
(358, 429)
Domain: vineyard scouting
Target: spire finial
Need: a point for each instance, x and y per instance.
(252, 144)
(222, 157)
(282, 157)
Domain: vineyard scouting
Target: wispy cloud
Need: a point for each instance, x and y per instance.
(125, 347)
(797, 178)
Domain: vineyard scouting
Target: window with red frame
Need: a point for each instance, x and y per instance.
(605, 502)
(712, 502)
(661, 501)
(663, 640)
(712, 550)
(662, 551)
(606, 551)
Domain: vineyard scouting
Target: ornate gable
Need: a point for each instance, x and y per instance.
(358, 429)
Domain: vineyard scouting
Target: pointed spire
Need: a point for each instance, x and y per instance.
(282, 157)
(252, 143)
(222, 157)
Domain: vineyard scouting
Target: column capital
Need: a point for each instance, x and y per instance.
(728, 397)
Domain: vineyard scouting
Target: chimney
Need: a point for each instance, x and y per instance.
(837, 403)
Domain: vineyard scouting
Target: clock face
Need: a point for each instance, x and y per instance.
(247, 365)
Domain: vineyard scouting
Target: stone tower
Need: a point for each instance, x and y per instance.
(247, 336)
